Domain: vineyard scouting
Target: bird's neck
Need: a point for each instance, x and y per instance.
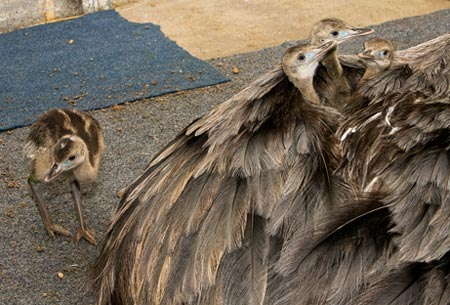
(336, 73)
(368, 74)
(306, 88)
(85, 172)
(332, 65)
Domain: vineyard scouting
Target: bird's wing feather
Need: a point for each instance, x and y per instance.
(246, 269)
(422, 70)
(338, 266)
(419, 178)
(187, 214)
(400, 139)
(408, 283)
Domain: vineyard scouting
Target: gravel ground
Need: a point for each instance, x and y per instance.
(30, 260)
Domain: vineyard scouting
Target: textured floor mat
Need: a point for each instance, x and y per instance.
(91, 62)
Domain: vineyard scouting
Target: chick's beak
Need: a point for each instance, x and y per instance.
(324, 48)
(55, 171)
(365, 55)
(354, 32)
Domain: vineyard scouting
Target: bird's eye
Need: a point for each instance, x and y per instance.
(71, 158)
(385, 52)
(335, 33)
(301, 57)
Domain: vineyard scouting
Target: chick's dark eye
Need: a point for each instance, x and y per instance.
(335, 33)
(385, 52)
(71, 158)
(301, 57)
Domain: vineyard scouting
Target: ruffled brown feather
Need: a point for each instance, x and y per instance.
(186, 219)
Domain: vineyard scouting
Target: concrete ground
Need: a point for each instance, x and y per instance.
(30, 260)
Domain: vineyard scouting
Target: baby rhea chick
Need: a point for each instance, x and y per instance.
(377, 56)
(66, 143)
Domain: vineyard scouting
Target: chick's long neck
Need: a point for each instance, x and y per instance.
(306, 87)
(335, 71)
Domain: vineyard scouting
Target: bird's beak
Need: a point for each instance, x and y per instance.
(365, 55)
(354, 32)
(55, 171)
(324, 48)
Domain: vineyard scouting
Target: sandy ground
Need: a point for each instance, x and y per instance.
(30, 260)
(209, 29)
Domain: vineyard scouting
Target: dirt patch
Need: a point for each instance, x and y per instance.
(209, 29)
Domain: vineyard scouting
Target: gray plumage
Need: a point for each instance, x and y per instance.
(412, 283)
(253, 203)
(412, 71)
(229, 195)
(398, 143)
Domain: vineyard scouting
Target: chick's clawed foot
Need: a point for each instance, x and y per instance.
(52, 229)
(87, 234)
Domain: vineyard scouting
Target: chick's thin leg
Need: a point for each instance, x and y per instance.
(83, 231)
(48, 223)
